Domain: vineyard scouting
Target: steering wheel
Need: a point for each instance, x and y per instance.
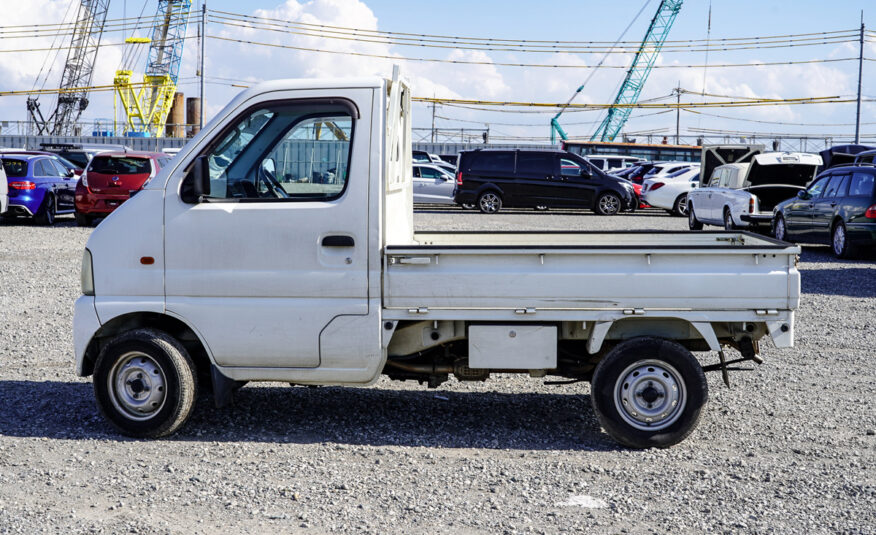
(271, 182)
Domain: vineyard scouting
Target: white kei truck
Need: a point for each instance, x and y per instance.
(279, 245)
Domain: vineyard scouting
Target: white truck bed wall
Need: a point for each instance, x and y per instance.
(591, 272)
(398, 223)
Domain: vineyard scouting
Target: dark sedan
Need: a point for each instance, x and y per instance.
(838, 209)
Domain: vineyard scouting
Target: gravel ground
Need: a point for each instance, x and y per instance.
(789, 449)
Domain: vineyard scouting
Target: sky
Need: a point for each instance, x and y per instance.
(229, 65)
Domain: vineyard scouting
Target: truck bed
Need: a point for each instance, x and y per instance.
(562, 275)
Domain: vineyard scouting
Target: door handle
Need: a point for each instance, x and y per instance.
(338, 241)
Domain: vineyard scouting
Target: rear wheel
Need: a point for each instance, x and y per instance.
(608, 203)
(692, 222)
(648, 392)
(680, 206)
(145, 383)
(728, 220)
(779, 229)
(489, 202)
(82, 220)
(467, 206)
(840, 241)
(46, 213)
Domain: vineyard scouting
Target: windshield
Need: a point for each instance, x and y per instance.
(120, 165)
(78, 158)
(15, 168)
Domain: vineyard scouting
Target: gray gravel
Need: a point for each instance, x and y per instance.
(789, 449)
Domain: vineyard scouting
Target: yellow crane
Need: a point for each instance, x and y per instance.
(146, 104)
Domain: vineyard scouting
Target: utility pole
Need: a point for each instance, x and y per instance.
(678, 114)
(201, 66)
(433, 121)
(860, 74)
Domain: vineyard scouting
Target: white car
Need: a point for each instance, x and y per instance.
(4, 191)
(666, 168)
(433, 184)
(743, 195)
(670, 192)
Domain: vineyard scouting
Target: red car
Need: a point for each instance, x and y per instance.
(110, 179)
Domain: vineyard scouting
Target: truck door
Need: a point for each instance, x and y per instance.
(278, 248)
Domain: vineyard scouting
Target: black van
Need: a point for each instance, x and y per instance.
(493, 178)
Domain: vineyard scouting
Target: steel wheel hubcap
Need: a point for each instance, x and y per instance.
(489, 202)
(137, 386)
(780, 229)
(839, 239)
(609, 204)
(650, 395)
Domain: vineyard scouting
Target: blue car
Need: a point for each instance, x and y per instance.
(39, 187)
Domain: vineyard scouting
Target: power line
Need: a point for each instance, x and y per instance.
(500, 40)
(504, 64)
(456, 44)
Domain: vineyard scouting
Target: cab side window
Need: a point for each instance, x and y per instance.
(833, 186)
(861, 185)
(284, 152)
(816, 189)
(569, 168)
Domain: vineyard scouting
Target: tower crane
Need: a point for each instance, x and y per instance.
(147, 104)
(78, 71)
(635, 78)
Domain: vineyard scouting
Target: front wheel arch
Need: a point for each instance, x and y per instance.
(174, 327)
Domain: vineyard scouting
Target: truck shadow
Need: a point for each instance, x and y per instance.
(353, 416)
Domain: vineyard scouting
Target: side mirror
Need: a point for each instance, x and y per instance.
(72, 172)
(803, 194)
(585, 172)
(196, 184)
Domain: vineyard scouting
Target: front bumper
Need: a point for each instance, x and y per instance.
(85, 324)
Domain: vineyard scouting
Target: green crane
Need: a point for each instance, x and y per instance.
(635, 79)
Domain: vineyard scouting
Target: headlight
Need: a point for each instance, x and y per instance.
(87, 274)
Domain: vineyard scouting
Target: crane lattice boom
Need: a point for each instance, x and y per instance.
(78, 71)
(636, 76)
(147, 105)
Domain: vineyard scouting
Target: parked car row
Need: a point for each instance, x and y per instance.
(40, 184)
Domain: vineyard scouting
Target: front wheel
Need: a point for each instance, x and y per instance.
(692, 222)
(648, 392)
(489, 202)
(145, 383)
(608, 204)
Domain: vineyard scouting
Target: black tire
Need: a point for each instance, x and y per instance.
(608, 203)
(679, 208)
(728, 220)
(692, 222)
(780, 229)
(663, 372)
(82, 220)
(839, 241)
(158, 381)
(467, 206)
(489, 202)
(46, 213)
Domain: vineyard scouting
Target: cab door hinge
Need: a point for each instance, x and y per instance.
(634, 312)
